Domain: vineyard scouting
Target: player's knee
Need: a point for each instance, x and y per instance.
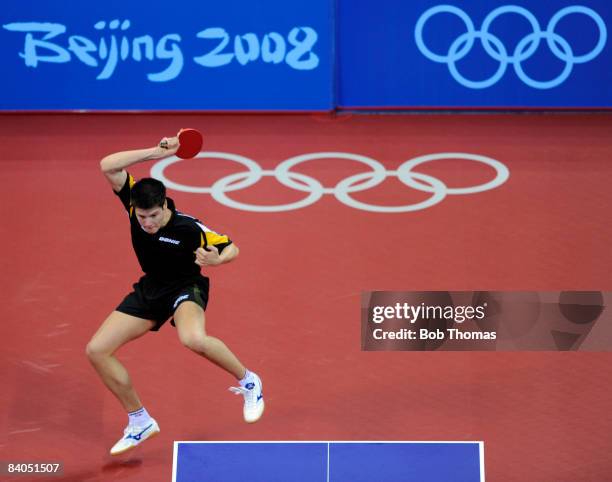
(196, 342)
(94, 350)
(90, 350)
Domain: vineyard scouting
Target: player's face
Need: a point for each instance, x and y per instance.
(151, 220)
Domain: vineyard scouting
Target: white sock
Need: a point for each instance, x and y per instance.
(140, 417)
(248, 377)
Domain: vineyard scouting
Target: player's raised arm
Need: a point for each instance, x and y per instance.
(113, 166)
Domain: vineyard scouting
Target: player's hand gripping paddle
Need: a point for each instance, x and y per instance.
(190, 143)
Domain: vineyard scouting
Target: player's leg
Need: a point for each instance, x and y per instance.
(118, 329)
(190, 322)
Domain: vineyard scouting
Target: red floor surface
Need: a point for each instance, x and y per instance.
(290, 305)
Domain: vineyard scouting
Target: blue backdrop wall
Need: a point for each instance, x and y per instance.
(475, 53)
(305, 54)
(194, 55)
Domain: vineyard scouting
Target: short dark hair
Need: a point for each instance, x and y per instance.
(148, 193)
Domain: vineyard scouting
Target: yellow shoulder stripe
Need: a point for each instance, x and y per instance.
(214, 238)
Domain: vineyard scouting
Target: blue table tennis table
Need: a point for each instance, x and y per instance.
(328, 462)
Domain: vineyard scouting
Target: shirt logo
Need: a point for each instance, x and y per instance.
(168, 240)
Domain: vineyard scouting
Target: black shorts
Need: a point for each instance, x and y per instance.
(158, 303)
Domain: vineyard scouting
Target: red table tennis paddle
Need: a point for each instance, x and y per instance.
(190, 143)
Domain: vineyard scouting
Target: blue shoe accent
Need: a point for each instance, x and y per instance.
(249, 386)
(138, 436)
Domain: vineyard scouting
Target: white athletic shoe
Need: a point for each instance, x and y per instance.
(133, 435)
(253, 399)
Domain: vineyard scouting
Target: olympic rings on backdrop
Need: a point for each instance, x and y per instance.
(496, 49)
(343, 190)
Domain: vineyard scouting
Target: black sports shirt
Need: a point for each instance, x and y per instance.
(167, 257)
